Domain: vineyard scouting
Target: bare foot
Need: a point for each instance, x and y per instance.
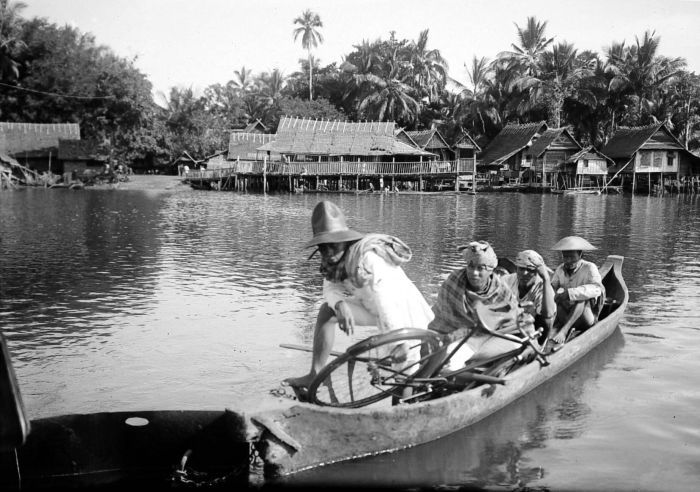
(560, 337)
(301, 381)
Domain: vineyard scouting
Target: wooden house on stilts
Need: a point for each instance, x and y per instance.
(504, 157)
(548, 152)
(586, 169)
(646, 156)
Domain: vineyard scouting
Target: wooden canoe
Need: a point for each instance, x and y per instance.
(301, 436)
(121, 449)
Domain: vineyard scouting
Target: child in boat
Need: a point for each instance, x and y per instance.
(578, 286)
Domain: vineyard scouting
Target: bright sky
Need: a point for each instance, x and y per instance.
(196, 43)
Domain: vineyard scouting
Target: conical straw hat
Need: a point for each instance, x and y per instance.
(573, 243)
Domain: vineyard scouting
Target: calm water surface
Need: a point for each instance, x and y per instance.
(129, 300)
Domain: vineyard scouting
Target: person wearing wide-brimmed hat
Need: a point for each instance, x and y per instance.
(364, 284)
(578, 288)
(532, 285)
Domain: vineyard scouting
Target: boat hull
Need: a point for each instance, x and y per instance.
(302, 436)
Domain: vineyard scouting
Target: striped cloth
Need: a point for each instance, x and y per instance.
(454, 309)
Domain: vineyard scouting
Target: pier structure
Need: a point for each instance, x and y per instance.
(340, 175)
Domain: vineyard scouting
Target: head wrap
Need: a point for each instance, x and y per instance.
(528, 259)
(480, 253)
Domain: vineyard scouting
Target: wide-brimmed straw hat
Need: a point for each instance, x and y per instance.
(573, 243)
(328, 225)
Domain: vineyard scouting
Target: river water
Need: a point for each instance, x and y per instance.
(145, 300)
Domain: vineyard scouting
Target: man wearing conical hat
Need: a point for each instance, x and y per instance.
(364, 284)
(531, 283)
(578, 288)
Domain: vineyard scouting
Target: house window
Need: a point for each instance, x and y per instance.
(669, 158)
(585, 163)
(645, 159)
(658, 158)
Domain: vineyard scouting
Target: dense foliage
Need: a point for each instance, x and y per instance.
(57, 74)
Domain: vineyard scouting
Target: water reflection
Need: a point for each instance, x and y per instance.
(493, 452)
(121, 300)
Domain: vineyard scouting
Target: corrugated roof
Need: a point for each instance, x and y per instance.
(24, 138)
(510, 140)
(546, 139)
(91, 150)
(321, 137)
(628, 140)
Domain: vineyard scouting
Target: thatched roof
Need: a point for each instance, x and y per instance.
(245, 145)
(35, 139)
(428, 139)
(338, 138)
(628, 140)
(511, 140)
(590, 153)
(548, 138)
(465, 141)
(83, 150)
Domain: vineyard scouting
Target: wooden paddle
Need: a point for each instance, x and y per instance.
(305, 348)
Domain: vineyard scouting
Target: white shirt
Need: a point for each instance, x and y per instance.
(583, 284)
(388, 295)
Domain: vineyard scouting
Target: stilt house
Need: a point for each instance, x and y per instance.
(432, 141)
(466, 147)
(35, 145)
(83, 156)
(505, 154)
(318, 141)
(586, 168)
(645, 155)
(550, 150)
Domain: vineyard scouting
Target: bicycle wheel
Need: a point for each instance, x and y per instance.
(372, 370)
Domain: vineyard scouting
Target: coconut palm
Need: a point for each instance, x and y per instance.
(429, 68)
(639, 73)
(10, 24)
(243, 81)
(533, 43)
(310, 37)
(559, 75)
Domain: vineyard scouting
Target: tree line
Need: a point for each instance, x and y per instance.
(52, 74)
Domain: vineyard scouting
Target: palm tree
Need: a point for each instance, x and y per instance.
(560, 73)
(310, 37)
(639, 73)
(428, 66)
(533, 44)
(243, 80)
(10, 23)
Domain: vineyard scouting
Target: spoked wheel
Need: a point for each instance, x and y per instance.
(373, 369)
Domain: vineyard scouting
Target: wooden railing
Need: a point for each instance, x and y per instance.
(427, 168)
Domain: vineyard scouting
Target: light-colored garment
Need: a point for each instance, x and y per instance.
(380, 294)
(533, 295)
(387, 299)
(583, 284)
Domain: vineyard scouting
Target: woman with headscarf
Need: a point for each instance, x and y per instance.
(458, 297)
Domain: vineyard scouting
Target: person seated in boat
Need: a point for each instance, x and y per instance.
(532, 285)
(458, 296)
(578, 288)
(364, 284)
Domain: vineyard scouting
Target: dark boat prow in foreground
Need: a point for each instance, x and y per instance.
(157, 448)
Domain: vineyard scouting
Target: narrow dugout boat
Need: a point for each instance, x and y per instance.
(120, 448)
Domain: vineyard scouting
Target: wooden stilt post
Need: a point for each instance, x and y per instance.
(474, 175)
(264, 174)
